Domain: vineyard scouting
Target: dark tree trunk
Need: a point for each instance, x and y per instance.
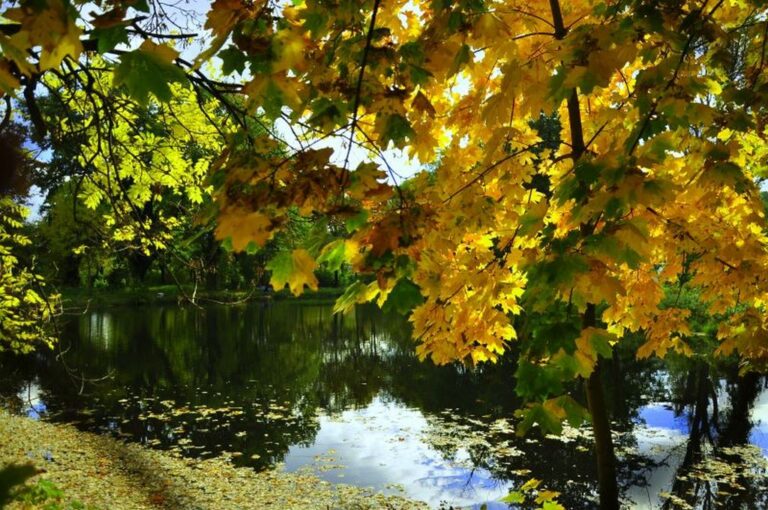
(71, 273)
(140, 264)
(606, 460)
(601, 426)
(164, 280)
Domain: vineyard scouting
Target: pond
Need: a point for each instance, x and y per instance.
(288, 384)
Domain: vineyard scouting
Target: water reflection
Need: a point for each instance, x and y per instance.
(344, 396)
(383, 446)
(701, 443)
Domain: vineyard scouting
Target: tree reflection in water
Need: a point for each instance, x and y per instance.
(255, 381)
(718, 469)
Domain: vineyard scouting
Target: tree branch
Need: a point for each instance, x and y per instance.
(359, 86)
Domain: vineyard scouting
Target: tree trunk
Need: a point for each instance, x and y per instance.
(604, 455)
(606, 460)
(601, 426)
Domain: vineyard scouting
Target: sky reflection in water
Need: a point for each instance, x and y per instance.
(382, 446)
(346, 398)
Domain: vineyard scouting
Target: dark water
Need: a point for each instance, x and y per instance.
(289, 384)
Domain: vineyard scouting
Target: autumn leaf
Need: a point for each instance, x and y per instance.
(224, 15)
(290, 47)
(49, 26)
(295, 269)
(243, 227)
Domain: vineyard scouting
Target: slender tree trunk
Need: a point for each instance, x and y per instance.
(606, 460)
(619, 405)
(601, 425)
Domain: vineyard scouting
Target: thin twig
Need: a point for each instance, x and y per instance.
(359, 86)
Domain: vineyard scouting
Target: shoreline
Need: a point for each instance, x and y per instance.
(79, 298)
(99, 471)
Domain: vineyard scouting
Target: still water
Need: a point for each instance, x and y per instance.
(290, 385)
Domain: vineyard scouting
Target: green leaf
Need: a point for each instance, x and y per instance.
(350, 298)
(557, 89)
(232, 60)
(659, 147)
(315, 234)
(140, 5)
(562, 269)
(610, 245)
(419, 75)
(412, 52)
(144, 73)
(333, 255)
(315, 21)
(614, 208)
(462, 58)
(251, 249)
(326, 113)
(537, 414)
(514, 498)
(108, 38)
(356, 221)
(537, 381)
(273, 101)
(404, 297)
(572, 366)
(533, 219)
(587, 172)
(397, 129)
(601, 343)
(575, 413)
(456, 20)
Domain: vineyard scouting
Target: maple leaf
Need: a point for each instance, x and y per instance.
(149, 70)
(243, 227)
(383, 237)
(290, 47)
(295, 269)
(224, 15)
(50, 27)
(367, 182)
(422, 104)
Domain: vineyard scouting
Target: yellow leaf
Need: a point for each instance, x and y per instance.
(295, 269)
(161, 51)
(243, 227)
(290, 48)
(224, 15)
(530, 484)
(546, 495)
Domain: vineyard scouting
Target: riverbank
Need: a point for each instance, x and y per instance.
(74, 299)
(101, 472)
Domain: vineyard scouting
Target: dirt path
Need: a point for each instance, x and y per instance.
(102, 472)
